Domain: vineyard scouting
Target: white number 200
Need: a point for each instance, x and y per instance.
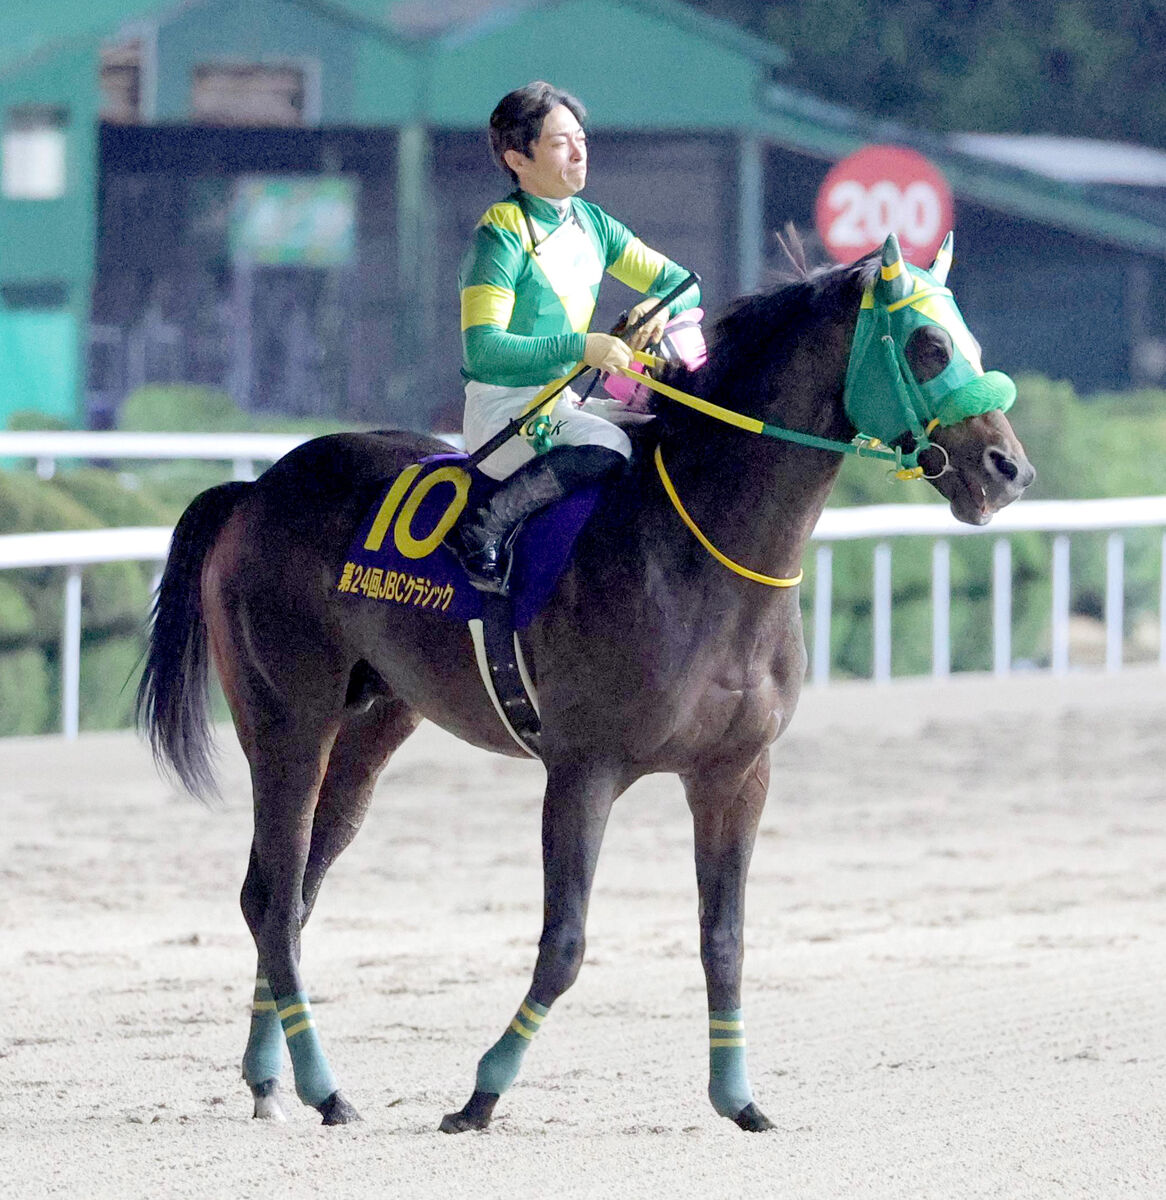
(868, 214)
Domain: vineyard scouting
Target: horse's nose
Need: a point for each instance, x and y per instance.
(1001, 465)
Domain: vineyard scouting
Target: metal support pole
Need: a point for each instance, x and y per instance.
(71, 655)
(414, 240)
(1162, 609)
(1061, 589)
(1002, 607)
(1114, 600)
(941, 609)
(750, 212)
(823, 586)
(882, 612)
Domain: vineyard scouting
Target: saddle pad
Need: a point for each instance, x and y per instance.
(397, 556)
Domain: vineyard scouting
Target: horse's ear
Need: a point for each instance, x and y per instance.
(895, 280)
(942, 263)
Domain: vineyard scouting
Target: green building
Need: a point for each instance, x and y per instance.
(271, 196)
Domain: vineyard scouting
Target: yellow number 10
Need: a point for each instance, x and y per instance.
(403, 539)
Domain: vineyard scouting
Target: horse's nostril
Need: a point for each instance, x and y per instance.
(1003, 464)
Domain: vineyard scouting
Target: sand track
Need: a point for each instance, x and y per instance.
(954, 978)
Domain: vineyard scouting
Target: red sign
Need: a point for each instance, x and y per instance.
(880, 190)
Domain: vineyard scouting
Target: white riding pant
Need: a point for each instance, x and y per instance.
(490, 407)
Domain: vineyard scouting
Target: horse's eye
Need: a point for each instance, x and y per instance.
(928, 352)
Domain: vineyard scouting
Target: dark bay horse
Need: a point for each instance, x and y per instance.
(650, 656)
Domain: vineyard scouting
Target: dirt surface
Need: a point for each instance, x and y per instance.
(954, 979)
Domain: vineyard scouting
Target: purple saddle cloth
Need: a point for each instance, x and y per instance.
(436, 582)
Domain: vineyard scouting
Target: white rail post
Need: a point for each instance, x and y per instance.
(882, 612)
(71, 656)
(1162, 609)
(1114, 600)
(823, 587)
(243, 469)
(1002, 607)
(1061, 589)
(941, 609)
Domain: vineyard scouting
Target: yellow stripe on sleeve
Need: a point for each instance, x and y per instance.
(521, 1029)
(291, 1010)
(487, 304)
(638, 266)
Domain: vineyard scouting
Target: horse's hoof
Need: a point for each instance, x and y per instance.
(337, 1111)
(476, 1114)
(753, 1120)
(267, 1107)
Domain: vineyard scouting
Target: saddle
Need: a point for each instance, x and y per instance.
(398, 557)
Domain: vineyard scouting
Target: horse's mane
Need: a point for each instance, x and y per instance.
(761, 329)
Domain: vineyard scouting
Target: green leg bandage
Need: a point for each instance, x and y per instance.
(314, 1079)
(263, 1058)
(498, 1067)
(728, 1078)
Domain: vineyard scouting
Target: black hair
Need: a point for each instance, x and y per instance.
(517, 121)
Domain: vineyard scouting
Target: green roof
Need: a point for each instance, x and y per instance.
(676, 68)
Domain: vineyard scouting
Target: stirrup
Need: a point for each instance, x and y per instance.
(486, 571)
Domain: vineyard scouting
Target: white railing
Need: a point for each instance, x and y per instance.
(75, 550)
(1058, 517)
(241, 450)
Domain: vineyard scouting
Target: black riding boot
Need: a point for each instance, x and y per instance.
(483, 539)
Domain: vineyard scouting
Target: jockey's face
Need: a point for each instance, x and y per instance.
(557, 166)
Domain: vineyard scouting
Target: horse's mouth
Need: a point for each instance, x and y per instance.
(970, 503)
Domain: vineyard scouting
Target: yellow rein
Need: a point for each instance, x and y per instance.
(723, 559)
(704, 406)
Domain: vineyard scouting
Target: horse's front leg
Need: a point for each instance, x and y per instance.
(577, 804)
(725, 816)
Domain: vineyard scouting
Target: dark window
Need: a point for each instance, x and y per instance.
(49, 293)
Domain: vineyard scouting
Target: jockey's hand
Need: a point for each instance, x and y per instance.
(606, 352)
(653, 331)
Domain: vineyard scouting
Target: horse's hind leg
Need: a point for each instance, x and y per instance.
(359, 752)
(575, 811)
(725, 819)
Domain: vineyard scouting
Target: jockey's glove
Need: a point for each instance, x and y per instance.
(606, 352)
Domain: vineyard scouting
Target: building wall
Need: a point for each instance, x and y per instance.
(46, 246)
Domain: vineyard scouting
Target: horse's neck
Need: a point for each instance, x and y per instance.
(755, 498)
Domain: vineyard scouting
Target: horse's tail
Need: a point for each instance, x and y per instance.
(173, 696)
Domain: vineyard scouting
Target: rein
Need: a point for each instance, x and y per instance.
(863, 448)
(723, 559)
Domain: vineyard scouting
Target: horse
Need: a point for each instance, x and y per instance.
(651, 655)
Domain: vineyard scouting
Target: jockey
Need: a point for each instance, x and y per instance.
(528, 284)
